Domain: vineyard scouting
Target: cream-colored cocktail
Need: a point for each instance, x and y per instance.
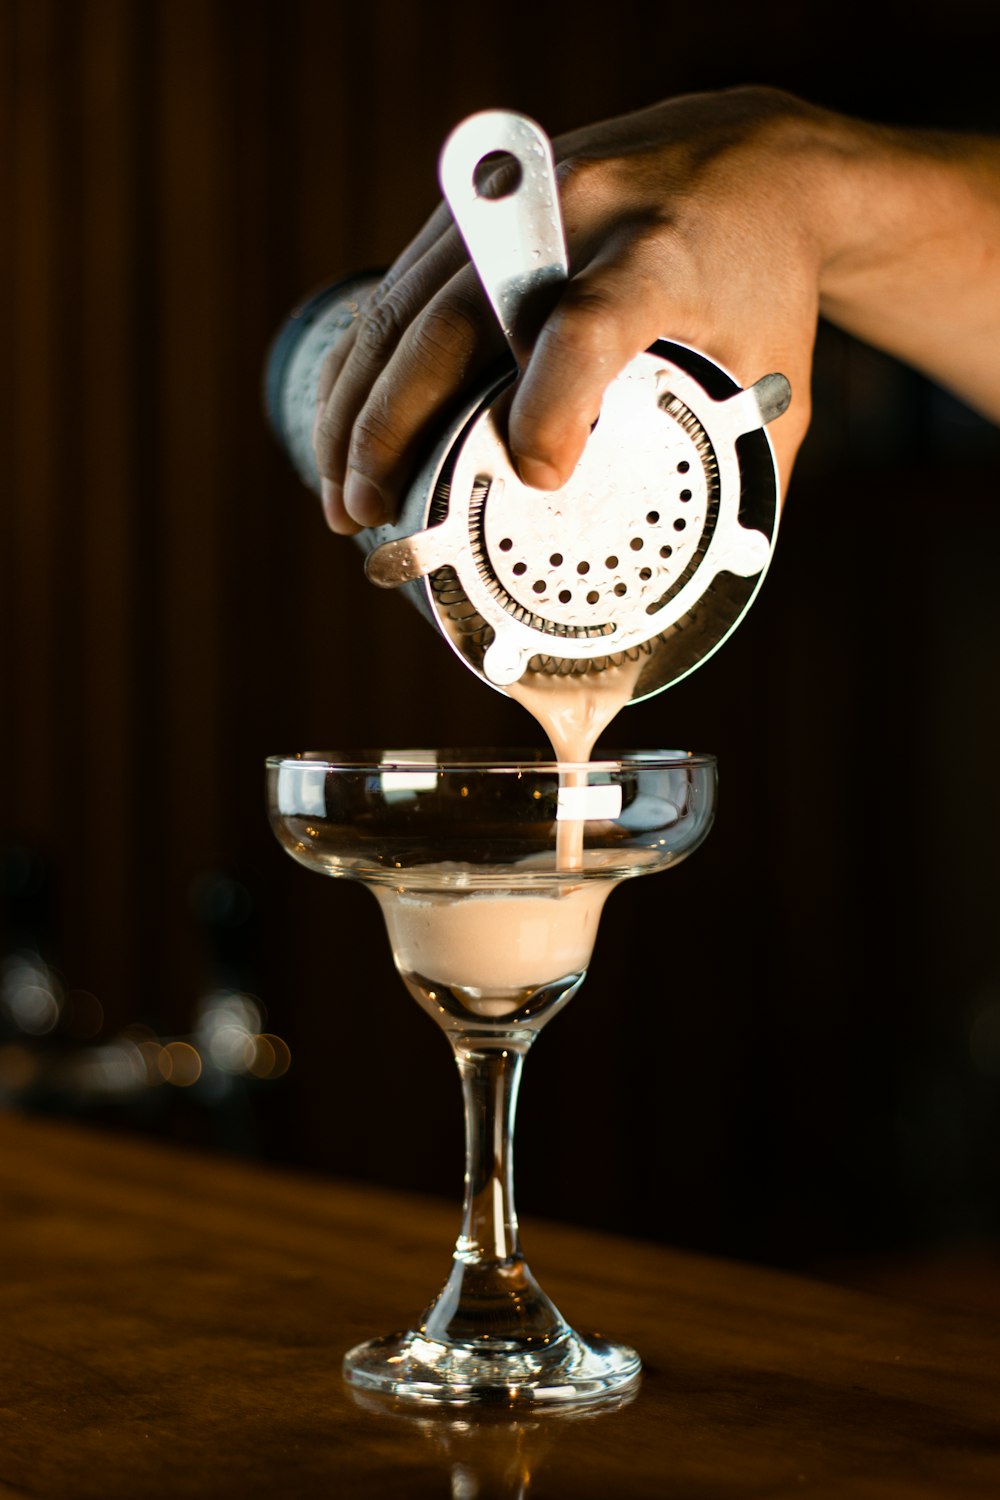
(491, 954)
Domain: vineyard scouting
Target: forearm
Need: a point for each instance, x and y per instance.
(912, 262)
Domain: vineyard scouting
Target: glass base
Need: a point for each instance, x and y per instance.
(568, 1370)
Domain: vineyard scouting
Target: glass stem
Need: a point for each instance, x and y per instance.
(491, 1298)
(491, 1078)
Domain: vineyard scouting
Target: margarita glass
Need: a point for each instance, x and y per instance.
(491, 870)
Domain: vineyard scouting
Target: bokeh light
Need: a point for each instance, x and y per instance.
(180, 1064)
(30, 994)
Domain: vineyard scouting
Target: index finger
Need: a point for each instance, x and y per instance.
(434, 229)
(598, 325)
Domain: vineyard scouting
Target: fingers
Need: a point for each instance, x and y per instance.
(412, 354)
(608, 314)
(350, 372)
(436, 227)
(409, 359)
(355, 365)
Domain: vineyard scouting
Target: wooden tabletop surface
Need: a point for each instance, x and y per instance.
(173, 1323)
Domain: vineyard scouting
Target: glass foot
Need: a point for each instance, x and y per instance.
(570, 1369)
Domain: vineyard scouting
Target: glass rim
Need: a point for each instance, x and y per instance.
(502, 761)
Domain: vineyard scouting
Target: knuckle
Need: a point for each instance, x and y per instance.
(582, 177)
(382, 289)
(446, 336)
(584, 325)
(380, 328)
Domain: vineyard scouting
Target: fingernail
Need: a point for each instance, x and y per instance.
(538, 475)
(362, 500)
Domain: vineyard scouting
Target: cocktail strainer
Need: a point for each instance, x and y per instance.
(658, 543)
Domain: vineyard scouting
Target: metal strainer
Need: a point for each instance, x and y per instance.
(658, 543)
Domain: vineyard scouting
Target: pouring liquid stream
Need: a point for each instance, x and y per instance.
(493, 953)
(574, 711)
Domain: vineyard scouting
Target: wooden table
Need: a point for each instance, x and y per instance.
(173, 1326)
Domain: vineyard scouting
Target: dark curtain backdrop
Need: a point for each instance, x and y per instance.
(790, 1049)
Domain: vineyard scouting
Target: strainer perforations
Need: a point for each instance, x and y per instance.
(591, 567)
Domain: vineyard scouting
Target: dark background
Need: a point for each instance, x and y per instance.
(790, 1051)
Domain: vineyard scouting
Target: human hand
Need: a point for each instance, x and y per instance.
(679, 223)
(725, 221)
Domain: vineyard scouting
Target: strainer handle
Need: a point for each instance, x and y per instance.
(515, 240)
